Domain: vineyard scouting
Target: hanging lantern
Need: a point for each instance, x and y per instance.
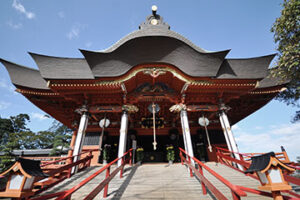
(104, 123)
(203, 121)
(156, 108)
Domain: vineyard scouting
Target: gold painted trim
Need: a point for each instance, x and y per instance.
(269, 91)
(130, 108)
(36, 93)
(147, 70)
(177, 107)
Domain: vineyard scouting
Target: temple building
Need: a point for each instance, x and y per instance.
(151, 89)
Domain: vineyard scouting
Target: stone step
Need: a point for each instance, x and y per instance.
(234, 177)
(158, 181)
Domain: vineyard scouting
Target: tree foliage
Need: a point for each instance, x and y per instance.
(15, 135)
(286, 31)
(61, 139)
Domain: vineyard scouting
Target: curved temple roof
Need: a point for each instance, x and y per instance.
(154, 50)
(152, 43)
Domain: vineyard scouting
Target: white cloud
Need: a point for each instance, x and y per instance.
(3, 84)
(12, 90)
(88, 44)
(235, 127)
(61, 14)
(4, 105)
(75, 31)
(20, 8)
(13, 25)
(39, 116)
(286, 129)
(270, 139)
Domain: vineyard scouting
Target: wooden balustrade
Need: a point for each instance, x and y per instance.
(61, 171)
(236, 192)
(224, 157)
(103, 185)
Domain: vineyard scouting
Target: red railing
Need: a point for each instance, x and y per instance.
(235, 190)
(224, 157)
(45, 160)
(282, 156)
(55, 160)
(103, 185)
(58, 174)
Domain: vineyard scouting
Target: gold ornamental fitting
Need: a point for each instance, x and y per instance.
(130, 108)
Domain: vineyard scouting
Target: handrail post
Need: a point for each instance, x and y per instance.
(70, 169)
(130, 159)
(90, 160)
(220, 154)
(122, 166)
(180, 155)
(242, 159)
(202, 184)
(235, 196)
(106, 186)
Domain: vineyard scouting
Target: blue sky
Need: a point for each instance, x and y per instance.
(60, 28)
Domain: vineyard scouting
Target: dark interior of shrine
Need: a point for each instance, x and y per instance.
(174, 138)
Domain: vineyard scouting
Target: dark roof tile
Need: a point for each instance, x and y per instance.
(271, 81)
(248, 68)
(154, 49)
(24, 76)
(32, 167)
(62, 68)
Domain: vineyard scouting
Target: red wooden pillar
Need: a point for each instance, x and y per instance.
(70, 153)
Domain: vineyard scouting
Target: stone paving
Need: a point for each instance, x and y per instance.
(157, 181)
(160, 181)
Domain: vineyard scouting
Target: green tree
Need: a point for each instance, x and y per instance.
(44, 139)
(14, 135)
(62, 137)
(286, 31)
(5, 129)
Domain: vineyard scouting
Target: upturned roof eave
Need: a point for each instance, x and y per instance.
(52, 67)
(24, 76)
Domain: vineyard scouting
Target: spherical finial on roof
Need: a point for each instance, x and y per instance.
(154, 8)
